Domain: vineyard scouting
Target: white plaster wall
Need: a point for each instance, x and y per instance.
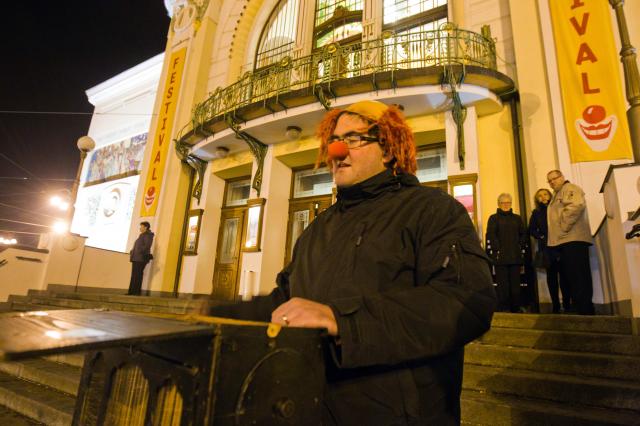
(470, 143)
(104, 269)
(627, 183)
(205, 260)
(497, 14)
(123, 108)
(63, 263)
(18, 276)
(471, 163)
(258, 270)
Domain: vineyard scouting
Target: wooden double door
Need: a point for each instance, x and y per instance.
(226, 270)
(302, 212)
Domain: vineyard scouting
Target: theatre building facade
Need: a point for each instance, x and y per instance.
(229, 178)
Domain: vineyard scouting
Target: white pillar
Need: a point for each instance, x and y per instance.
(258, 270)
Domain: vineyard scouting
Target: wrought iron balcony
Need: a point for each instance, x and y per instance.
(393, 60)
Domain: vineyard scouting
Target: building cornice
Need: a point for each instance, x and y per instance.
(141, 78)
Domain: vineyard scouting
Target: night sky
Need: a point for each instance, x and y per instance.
(52, 52)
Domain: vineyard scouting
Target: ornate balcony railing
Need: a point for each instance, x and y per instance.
(389, 53)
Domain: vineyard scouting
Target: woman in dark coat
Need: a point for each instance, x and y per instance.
(506, 242)
(547, 257)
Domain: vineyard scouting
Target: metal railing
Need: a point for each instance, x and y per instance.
(391, 52)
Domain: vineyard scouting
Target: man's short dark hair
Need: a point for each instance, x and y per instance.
(146, 224)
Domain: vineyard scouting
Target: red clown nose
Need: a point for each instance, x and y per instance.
(338, 150)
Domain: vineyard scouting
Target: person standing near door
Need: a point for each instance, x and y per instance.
(570, 234)
(506, 244)
(547, 257)
(139, 256)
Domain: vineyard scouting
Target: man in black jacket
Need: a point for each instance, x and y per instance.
(139, 256)
(393, 270)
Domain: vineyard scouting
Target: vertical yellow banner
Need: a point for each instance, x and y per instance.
(162, 134)
(592, 93)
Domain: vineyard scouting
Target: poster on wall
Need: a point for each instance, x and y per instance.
(162, 134)
(103, 213)
(590, 83)
(116, 160)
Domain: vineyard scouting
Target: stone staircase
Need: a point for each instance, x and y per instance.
(553, 370)
(528, 370)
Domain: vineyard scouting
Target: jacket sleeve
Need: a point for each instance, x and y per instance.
(523, 235)
(534, 226)
(146, 244)
(573, 206)
(492, 245)
(450, 304)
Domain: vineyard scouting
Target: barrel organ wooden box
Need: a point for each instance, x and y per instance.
(141, 370)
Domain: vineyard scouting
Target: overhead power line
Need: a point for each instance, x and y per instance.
(24, 223)
(37, 178)
(18, 165)
(28, 211)
(71, 113)
(8, 231)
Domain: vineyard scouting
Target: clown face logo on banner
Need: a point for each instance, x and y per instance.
(590, 82)
(150, 196)
(596, 128)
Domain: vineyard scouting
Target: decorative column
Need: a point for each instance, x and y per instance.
(631, 77)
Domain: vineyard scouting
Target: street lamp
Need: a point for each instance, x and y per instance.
(85, 145)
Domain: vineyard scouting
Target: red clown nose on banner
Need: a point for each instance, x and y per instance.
(337, 150)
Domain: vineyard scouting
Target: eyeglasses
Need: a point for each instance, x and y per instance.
(549, 180)
(355, 140)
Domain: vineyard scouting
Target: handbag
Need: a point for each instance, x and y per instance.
(541, 260)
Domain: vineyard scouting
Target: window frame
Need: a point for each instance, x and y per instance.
(418, 19)
(262, 34)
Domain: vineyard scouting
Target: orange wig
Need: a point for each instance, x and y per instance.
(396, 137)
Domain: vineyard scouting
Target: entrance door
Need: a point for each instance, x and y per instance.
(225, 276)
(301, 214)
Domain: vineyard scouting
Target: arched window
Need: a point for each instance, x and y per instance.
(279, 34)
(337, 20)
(415, 44)
(408, 16)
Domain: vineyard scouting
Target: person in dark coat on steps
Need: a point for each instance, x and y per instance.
(139, 256)
(394, 272)
(548, 257)
(506, 244)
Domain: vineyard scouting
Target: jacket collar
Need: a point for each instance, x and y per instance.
(374, 186)
(503, 213)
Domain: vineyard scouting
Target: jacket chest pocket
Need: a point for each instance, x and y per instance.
(454, 256)
(381, 259)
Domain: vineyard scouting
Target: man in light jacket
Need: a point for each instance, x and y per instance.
(570, 233)
(139, 256)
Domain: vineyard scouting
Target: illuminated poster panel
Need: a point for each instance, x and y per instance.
(103, 213)
(117, 160)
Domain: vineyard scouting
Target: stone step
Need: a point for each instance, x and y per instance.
(26, 306)
(87, 304)
(5, 307)
(499, 410)
(37, 402)
(573, 323)
(11, 418)
(620, 367)
(593, 392)
(187, 304)
(63, 377)
(618, 344)
(75, 359)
